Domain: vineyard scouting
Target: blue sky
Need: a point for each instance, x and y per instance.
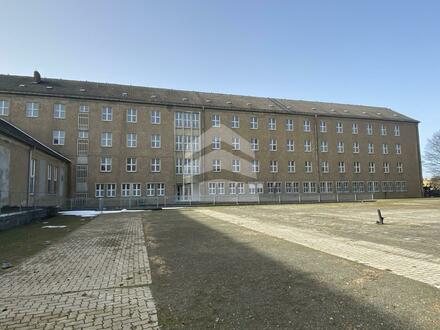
(383, 53)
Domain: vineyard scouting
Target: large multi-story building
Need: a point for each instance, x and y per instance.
(139, 142)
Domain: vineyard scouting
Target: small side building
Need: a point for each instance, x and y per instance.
(31, 173)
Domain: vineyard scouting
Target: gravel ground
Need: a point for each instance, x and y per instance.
(209, 273)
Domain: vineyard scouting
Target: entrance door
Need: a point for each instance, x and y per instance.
(183, 191)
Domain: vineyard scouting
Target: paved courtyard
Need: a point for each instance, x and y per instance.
(98, 277)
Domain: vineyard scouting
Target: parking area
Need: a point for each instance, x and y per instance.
(304, 266)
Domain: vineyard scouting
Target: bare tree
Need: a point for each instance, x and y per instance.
(432, 154)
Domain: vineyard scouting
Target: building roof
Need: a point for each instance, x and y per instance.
(147, 95)
(8, 129)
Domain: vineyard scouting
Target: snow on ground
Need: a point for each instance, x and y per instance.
(91, 214)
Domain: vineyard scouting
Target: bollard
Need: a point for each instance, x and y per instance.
(379, 214)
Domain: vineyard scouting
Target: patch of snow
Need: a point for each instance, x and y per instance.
(91, 214)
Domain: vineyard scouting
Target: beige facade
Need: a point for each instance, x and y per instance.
(29, 174)
(305, 161)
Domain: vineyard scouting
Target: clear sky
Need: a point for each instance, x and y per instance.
(375, 52)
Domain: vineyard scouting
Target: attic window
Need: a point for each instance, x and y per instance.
(208, 101)
(314, 109)
(228, 102)
(332, 110)
(184, 99)
(364, 112)
(288, 106)
(345, 111)
(22, 85)
(49, 87)
(153, 96)
(124, 94)
(248, 104)
(82, 89)
(378, 113)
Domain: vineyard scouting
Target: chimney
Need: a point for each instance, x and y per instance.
(37, 77)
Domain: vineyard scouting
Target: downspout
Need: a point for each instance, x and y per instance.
(28, 176)
(317, 154)
(420, 162)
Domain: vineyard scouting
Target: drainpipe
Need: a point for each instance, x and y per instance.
(28, 176)
(420, 163)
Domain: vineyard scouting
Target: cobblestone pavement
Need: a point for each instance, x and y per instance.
(414, 265)
(98, 277)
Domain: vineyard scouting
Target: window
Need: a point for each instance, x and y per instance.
(272, 124)
(136, 189)
(323, 126)
(291, 166)
(132, 115)
(387, 186)
(155, 117)
(155, 189)
(356, 167)
(235, 123)
(240, 188)
(356, 147)
(289, 125)
(254, 122)
(252, 188)
(212, 188)
(386, 167)
(342, 187)
(354, 128)
(155, 165)
(235, 165)
(106, 139)
(341, 167)
(370, 129)
(339, 127)
(32, 177)
(307, 126)
(292, 187)
(308, 167)
(179, 165)
(232, 188)
(125, 190)
(4, 108)
(235, 143)
(358, 186)
(220, 188)
(178, 118)
(131, 164)
(274, 187)
(216, 142)
(155, 141)
(106, 164)
(111, 189)
(325, 168)
(255, 146)
(307, 146)
(83, 134)
(32, 109)
(399, 167)
(290, 145)
(99, 190)
(383, 130)
(255, 165)
(106, 114)
(385, 148)
(84, 109)
(326, 186)
(340, 147)
(131, 140)
(309, 187)
(396, 130)
(215, 120)
(273, 145)
(371, 167)
(58, 137)
(273, 165)
(195, 120)
(370, 148)
(59, 111)
(216, 165)
(373, 186)
(400, 186)
(398, 149)
(323, 147)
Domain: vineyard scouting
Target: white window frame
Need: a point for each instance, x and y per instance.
(339, 127)
(307, 126)
(291, 166)
(290, 126)
(236, 165)
(155, 117)
(215, 120)
(58, 137)
(105, 165)
(273, 145)
(290, 145)
(32, 109)
(131, 164)
(132, 115)
(155, 165)
(106, 139)
(4, 107)
(271, 124)
(253, 123)
(307, 146)
(155, 141)
(131, 140)
(106, 113)
(235, 122)
(323, 126)
(216, 165)
(308, 166)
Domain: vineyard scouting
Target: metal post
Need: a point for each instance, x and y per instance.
(337, 197)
